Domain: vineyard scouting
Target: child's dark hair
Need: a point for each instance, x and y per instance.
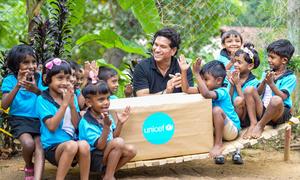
(16, 55)
(104, 73)
(250, 57)
(229, 33)
(214, 68)
(170, 34)
(74, 65)
(282, 48)
(93, 89)
(55, 69)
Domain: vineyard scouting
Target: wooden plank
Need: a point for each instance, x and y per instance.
(229, 147)
(171, 160)
(187, 158)
(178, 159)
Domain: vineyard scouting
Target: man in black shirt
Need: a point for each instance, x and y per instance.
(160, 74)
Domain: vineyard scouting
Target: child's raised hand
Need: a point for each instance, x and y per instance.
(106, 120)
(68, 95)
(269, 79)
(29, 83)
(196, 66)
(128, 90)
(184, 66)
(123, 117)
(235, 77)
(22, 75)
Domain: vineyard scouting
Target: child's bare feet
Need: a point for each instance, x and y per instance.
(216, 151)
(248, 133)
(257, 131)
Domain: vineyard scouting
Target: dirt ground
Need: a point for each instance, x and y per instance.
(259, 164)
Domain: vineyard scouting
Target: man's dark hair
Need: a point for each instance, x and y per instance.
(170, 34)
(214, 68)
(282, 48)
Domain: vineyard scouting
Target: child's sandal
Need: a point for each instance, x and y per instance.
(29, 172)
(237, 158)
(219, 159)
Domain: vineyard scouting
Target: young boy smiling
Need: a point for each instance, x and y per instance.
(276, 88)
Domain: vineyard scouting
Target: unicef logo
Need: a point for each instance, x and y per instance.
(158, 128)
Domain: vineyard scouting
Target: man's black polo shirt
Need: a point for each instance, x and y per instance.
(147, 76)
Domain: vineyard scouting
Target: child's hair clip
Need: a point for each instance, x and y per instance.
(250, 53)
(55, 61)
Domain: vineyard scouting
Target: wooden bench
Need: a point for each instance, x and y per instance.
(230, 147)
(171, 152)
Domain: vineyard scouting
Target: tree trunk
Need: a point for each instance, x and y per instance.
(114, 56)
(33, 8)
(294, 23)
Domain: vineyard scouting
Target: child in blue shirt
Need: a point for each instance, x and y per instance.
(108, 151)
(20, 89)
(231, 42)
(111, 77)
(246, 60)
(276, 87)
(57, 110)
(210, 85)
(77, 80)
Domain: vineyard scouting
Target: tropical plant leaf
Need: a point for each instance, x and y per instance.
(145, 11)
(110, 39)
(126, 4)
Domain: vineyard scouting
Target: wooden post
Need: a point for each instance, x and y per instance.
(287, 142)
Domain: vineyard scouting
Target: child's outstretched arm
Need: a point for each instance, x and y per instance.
(184, 66)
(53, 122)
(205, 92)
(102, 140)
(121, 119)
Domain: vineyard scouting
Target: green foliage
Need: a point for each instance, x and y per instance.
(110, 39)
(264, 13)
(294, 64)
(145, 12)
(197, 21)
(13, 23)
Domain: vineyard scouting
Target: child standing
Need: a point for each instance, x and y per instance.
(246, 60)
(276, 87)
(110, 76)
(210, 85)
(108, 151)
(58, 113)
(20, 90)
(231, 42)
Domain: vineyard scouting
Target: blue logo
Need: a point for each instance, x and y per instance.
(158, 128)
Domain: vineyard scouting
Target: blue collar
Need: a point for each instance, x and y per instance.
(224, 53)
(285, 74)
(250, 78)
(46, 95)
(88, 116)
